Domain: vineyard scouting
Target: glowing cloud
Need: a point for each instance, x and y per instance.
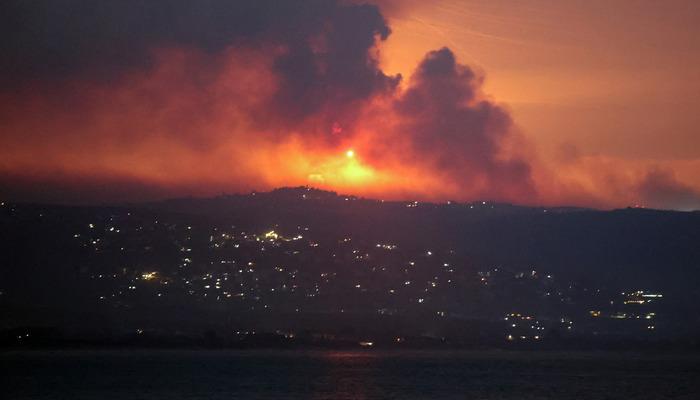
(215, 97)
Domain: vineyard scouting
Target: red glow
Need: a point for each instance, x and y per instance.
(171, 131)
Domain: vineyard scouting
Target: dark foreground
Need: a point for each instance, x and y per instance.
(178, 374)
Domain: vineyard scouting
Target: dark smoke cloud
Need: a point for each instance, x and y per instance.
(660, 189)
(323, 62)
(116, 90)
(331, 68)
(446, 118)
(319, 55)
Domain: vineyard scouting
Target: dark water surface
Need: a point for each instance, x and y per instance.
(181, 374)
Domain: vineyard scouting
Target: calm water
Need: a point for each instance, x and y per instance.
(149, 374)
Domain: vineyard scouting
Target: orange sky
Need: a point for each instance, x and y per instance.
(615, 79)
(588, 103)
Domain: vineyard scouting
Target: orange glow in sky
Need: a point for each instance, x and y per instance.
(342, 171)
(534, 103)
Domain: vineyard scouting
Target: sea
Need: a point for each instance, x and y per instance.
(371, 374)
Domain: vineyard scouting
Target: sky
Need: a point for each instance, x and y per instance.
(587, 103)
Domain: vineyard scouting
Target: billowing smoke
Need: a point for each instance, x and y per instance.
(447, 120)
(139, 99)
(320, 48)
(661, 189)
